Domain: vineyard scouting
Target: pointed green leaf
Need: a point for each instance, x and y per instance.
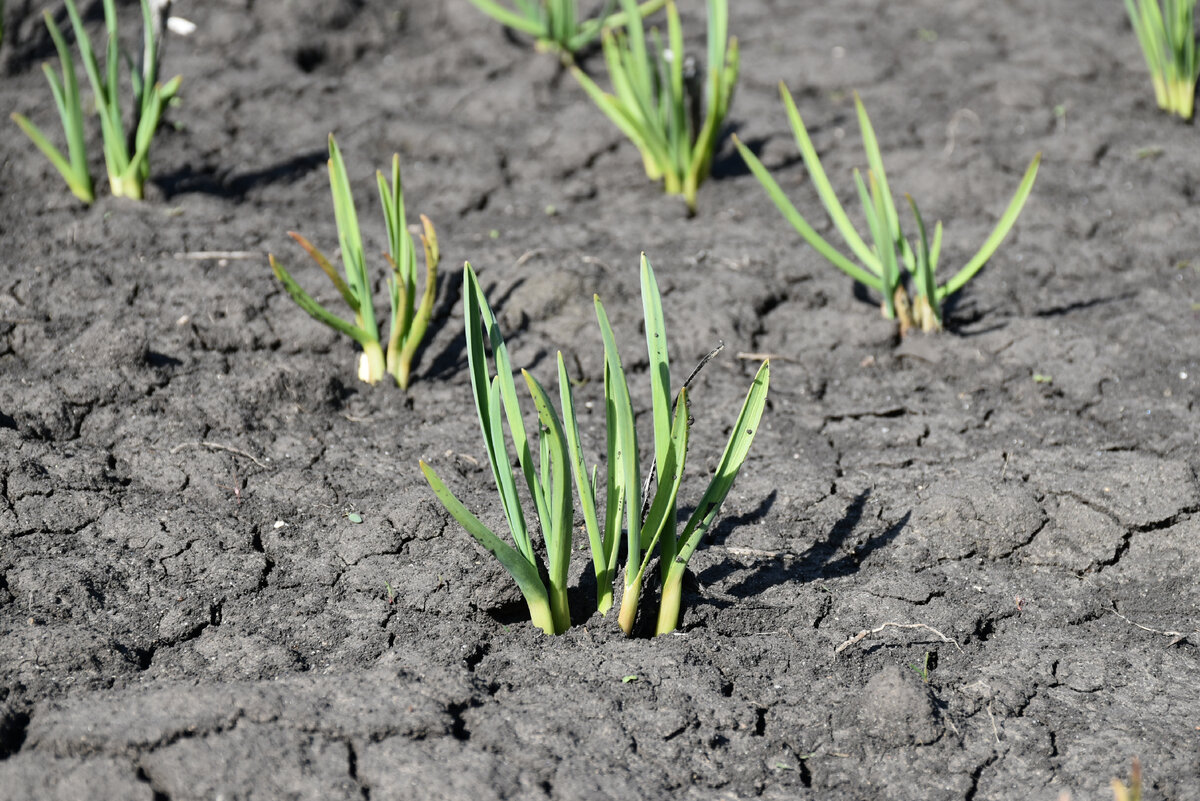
(316, 310)
(806, 231)
(489, 409)
(829, 198)
(617, 394)
(523, 572)
(1007, 221)
(736, 451)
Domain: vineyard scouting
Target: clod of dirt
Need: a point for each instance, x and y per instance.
(973, 517)
(898, 710)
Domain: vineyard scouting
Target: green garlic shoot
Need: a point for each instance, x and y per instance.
(1167, 35)
(126, 155)
(496, 405)
(409, 318)
(672, 115)
(652, 522)
(878, 265)
(620, 507)
(557, 25)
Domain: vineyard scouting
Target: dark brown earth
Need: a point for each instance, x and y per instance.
(186, 612)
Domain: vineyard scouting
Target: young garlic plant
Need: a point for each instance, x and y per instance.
(1167, 35)
(876, 265)
(549, 483)
(409, 319)
(125, 155)
(557, 25)
(658, 105)
(619, 509)
(654, 521)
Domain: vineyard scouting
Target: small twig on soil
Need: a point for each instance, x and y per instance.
(995, 731)
(529, 254)
(755, 553)
(216, 446)
(952, 128)
(755, 356)
(1179, 636)
(218, 255)
(862, 635)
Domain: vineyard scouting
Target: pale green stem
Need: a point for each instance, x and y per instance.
(371, 364)
(560, 610)
(668, 607)
(130, 187)
(629, 605)
(540, 614)
(604, 593)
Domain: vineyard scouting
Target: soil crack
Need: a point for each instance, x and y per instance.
(144, 777)
(12, 734)
(352, 769)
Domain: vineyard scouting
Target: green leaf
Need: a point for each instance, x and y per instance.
(924, 275)
(824, 189)
(626, 454)
(557, 529)
(736, 451)
(1007, 221)
(415, 332)
(533, 26)
(511, 404)
(73, 167)
(876, 216)
(327, 268)
(315, 309)
(586, 491)
(806, 231)
(350, 240)
(660, 367)
(885, 244)
(81, 190)
(489, 410)
(621, 18)
(720, 94)
(149, 76)
(661, 517)
(614, 110)
(718, 33)
(523, 572)
(616, 488)
(926, 311)
(400, 244)
(875, 161)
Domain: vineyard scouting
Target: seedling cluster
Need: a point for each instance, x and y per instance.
(557, 25)
(877, 265)
(408, 318)
(1167, 34)
(127, 156)
(649, 521)
(660, 97)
